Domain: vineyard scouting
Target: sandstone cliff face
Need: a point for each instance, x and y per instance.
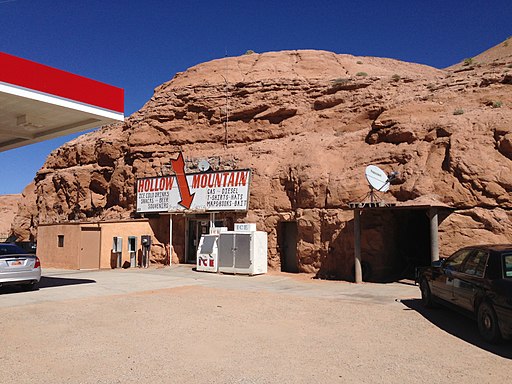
(307, 123)
(22, 226)
(8, 210)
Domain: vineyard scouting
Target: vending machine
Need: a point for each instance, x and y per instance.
(207, 253)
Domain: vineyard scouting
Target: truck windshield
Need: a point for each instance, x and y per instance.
(507, 265)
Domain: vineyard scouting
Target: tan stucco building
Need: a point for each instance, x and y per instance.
(90, 245)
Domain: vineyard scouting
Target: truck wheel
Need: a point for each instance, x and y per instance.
(426, 295)
(488, 323)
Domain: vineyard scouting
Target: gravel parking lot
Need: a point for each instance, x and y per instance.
(175, 325)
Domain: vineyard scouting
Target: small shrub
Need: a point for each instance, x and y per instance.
(458, 112)
(509, 66)
(468, 61)
(496, 104)
(359, 62)
(340, 80)
(363, 74)
(505, 44)
(396, 77)
(249, 52)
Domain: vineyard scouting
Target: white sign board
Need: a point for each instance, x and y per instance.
(245, 227)
(211, 191)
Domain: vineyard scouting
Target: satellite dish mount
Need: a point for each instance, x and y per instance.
(203, 165)
(378, 181)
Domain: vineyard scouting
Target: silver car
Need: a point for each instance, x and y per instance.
(18, 267)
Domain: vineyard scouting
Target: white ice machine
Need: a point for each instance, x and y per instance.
(242, 252)
(207, 252)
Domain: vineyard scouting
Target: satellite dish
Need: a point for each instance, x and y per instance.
(377, 178)
(203, 165)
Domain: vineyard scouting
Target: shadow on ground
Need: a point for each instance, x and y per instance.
(459, 326)
(46, 282)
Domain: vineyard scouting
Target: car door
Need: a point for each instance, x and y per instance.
(442, 277)
(468, 280)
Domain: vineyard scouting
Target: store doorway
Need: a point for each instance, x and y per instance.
(196, 227)
(287, 238)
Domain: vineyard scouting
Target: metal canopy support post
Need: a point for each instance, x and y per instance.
(434, 234)
(170, 239)
(358, 273)
(212, 221)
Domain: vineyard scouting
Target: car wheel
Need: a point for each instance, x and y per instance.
(488, 323)
(30, 286)
(426, 294)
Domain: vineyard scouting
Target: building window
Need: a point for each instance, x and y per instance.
(60, 240)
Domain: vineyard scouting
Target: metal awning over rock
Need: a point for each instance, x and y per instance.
(38, 102)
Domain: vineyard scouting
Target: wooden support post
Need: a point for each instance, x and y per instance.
(434, 234)
(358, 273)
(170, 239)
(212, 222)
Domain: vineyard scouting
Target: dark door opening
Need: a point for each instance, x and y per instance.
(395, 242)
(412, 240)
(287, 238)
(196, 228)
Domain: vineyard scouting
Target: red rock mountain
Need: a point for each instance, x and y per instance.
(8, 209)
(307, 123)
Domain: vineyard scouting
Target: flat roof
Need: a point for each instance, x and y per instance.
(38, 102)
(364, 206)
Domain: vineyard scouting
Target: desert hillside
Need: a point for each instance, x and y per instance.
(307, 123)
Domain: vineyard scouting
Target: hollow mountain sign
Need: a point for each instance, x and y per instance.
(211, 191)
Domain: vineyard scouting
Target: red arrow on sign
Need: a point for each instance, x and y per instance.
(178, 166)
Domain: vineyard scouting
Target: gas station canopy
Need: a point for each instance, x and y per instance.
(38, 102)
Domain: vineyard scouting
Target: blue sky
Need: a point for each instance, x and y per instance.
(137, 45)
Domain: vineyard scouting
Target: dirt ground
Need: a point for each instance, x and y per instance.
(198, 334)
